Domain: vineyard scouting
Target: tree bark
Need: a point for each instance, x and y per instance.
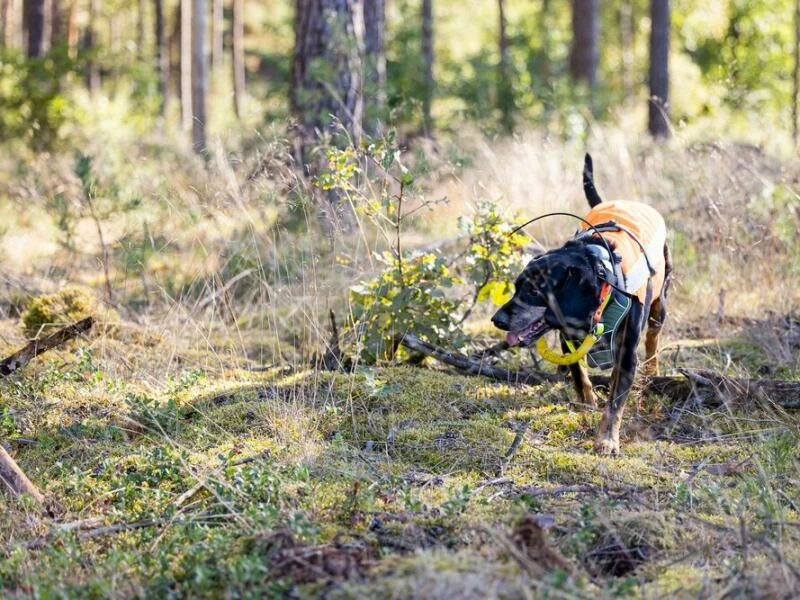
(217, 31)
(796, 74)
(35, 25)
(658, 103)
(162, 57)
(375, 67)
(199, 75)
(505, 94)
(57, 32)
(140, 28)
(585, 49)
(6, 14)
(72, 29)
(627, 33)
(326, 71)
(92, 69)
(237, 49)
(186, 64)
(427, 65)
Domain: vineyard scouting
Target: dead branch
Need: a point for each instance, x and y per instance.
(14, 480)
(22, 357)
(701, 387)
(85, 530)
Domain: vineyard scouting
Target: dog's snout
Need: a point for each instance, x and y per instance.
(501, 319)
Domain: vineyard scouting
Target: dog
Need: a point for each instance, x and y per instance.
(618, 258)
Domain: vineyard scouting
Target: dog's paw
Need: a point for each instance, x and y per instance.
(607, 447)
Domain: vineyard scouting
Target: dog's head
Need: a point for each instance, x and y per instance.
(557, 290)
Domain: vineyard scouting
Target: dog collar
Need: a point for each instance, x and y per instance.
(578, 354)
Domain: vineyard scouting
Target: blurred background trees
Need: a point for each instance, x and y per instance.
(418, 65)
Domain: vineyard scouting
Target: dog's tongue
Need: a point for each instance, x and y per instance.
(512, 338)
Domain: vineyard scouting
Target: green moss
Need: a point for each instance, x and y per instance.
(70, 304)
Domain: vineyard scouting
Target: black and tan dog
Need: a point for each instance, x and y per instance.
(615, 280)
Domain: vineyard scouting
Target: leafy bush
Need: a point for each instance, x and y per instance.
(33, 103)
(50, 311)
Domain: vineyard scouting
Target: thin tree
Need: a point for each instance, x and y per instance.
(72, 28)
(584, 52)
(57, 30)
(140, 27)
(427, 65)
(658, 103)
(796, 75)
(217, 31)
(237, 49)
(35, 15)
(326, 70)
(505, 93)
(89, 42)
(626, 40)
(6, 15)
(375, 63)
(199, 75)
(162, 57)
(185, 56)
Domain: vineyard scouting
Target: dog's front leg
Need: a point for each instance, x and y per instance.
(621, 381)
(581, 381)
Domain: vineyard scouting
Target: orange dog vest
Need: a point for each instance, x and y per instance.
(646, 224)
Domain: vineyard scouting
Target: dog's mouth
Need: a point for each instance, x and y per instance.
(525, 337)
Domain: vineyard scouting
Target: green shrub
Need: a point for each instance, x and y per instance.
(51, 311)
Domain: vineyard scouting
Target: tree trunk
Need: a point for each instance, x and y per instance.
(186, 64)
(796, 75)
(427, 65)
(140, 27)
(72, 29)
(35, 14)
(329, 33)
(626, 37)
(585, 50)
(162, 57)
(237, 49)
(505, 93)
(92, 69)
(658, 103)
(199, 75)
(6, 12)
(217, 31)
(375, 67)
(57, 32)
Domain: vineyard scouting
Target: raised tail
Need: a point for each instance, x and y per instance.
(588, 182)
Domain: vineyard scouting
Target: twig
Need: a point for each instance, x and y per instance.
(14, 481)
(22, 357)
(82, 533)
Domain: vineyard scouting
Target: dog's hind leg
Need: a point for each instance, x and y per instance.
(655, 319)
(621, 381)
(580, 379)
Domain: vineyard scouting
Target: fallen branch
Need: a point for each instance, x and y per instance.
(14, 480)
(703, 387)
(85, 530)
(22, 357)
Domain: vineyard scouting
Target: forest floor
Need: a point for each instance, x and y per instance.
(186, 447)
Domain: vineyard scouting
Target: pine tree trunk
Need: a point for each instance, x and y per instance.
(199, 75)
(35, 25)
(92, 69)
(626, 37)
(217, 31)
(162, 57)
(585, 50)
(427, 65)
(505, 93)
(658, 103)
(72, 29)
(140, 27)
(375, 64)
(6, 13)
(237, 49)
(329, 32)
(186, 64)
(57, 31)
(796, 74)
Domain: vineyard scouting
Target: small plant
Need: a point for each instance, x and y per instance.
(50, 311)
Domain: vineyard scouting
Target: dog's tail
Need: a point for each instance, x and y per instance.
(588, 182)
